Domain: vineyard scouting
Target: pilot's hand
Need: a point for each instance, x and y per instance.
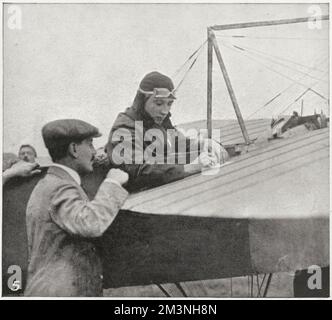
(118, 175)
(216, 149)
(206, 160)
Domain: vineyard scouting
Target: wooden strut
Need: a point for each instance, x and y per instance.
(183, 292)
(301, 107)
(267, 23)
(213, 40)
(163, 290)
(267, 285)
(212, 43)
(209, 85)
(177, 284)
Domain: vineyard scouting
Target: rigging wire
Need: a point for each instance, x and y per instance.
(310, 101)
(293, 102)
(281, 58)
(294, 82)
(305, 92)
(185, 75)
(269, 68)
(187, 61)
(284, 65)
(271, 38)
(197, 52)
(266, 56)
(278, 63)
(297, 99)
(319, 94)
(281, 93)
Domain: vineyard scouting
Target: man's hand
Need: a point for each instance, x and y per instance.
(20, 169)
(118, 175)
(24, 169)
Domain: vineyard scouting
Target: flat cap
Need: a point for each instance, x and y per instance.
(62, 131)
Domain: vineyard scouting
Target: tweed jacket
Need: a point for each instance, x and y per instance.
(62, 227)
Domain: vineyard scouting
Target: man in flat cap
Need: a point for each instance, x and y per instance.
(61, 221)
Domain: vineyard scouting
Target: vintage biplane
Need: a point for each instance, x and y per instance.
(265, 211)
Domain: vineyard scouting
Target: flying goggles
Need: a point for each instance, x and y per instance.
(160, 93)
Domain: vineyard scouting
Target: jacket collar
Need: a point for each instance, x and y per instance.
(141, 115)
(64, 172)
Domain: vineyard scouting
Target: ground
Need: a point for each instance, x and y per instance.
(281, 287)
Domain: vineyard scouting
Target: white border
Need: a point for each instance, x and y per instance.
(151, 2)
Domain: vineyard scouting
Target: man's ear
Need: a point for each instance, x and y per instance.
(72, 150)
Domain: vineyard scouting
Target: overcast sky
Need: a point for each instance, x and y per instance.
(85, 61)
